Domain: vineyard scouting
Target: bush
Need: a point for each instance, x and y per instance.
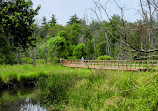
(41, 61)
(26, 60)
(55, 60)
(62, 33)
(73, 57)
(80, 50)
(105, 57)
(2, 59)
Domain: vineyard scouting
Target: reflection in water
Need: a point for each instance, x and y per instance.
(26, 104)
(29, 106)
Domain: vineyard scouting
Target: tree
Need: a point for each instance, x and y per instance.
(16, 24)
(53, 31)
(79, 51)
(63, 33)
(56, 46)
(44, 21)
(123, 29)
(17, 21)
(73, 19)
(53, 21)
(74, 34)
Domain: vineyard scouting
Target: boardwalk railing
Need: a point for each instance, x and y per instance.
(114, 64)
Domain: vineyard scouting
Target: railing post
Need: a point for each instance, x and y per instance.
(91, 63)
(88, 64)
(111, 64)
(122, 64)
(104, 64)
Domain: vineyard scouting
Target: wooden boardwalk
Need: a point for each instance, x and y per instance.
(127, 65)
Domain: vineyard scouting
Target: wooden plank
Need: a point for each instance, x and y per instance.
(112, 64)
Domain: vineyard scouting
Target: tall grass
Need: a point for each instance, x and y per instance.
(62, 88)
(8, 72)
(112, 90)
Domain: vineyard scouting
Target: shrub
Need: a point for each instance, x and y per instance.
(72, 57)
(80, 50)
(105, 57)
(55, 60)
(26, 60)
(2, 59)
(62, 33)
(41, 61)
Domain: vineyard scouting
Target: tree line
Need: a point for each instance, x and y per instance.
(21, 38)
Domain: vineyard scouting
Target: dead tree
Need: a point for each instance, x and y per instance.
(146, 34)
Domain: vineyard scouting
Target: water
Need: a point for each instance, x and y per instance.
(19, 101)
(23, 105)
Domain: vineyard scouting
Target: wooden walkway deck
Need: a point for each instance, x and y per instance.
(127, 65)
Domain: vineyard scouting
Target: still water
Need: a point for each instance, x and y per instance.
(13, 102)
(24, 105)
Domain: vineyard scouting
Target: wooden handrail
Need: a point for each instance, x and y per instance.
(113, 64)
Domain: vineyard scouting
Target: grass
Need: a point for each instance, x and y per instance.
(8, 72)
(78, 89)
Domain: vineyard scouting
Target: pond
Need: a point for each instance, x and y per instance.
(19, 100)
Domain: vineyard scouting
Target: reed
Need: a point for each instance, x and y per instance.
(62, 88)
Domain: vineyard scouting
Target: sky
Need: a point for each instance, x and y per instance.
(63, 9)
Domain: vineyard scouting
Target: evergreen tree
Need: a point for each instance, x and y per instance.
(53, 21)
(16, 25)
(73, 19)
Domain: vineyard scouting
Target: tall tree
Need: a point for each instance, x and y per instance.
(147, 46)
(80, 51)
(53, 21)
(44, 21)
(17, 23)
(57, 46)
(73, 19)
(74, 34)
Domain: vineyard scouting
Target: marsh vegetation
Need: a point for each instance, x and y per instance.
(61, 88)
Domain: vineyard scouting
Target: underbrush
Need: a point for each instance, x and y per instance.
(62, 88)
(109, 90)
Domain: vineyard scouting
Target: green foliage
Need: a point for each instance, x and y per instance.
(53, 21)
(44, 22)
(67, 28)
(17, 21)
(53, 31)
(16, 27)
(62, 33)
(72, 58)
(79, 51)
(105, 57)
(56, 46)
(73, 19)
(62, 88)
(55, 60)
(26, 60)
(2, 59)
(69, 50)
(74, 34)
(10, 58)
